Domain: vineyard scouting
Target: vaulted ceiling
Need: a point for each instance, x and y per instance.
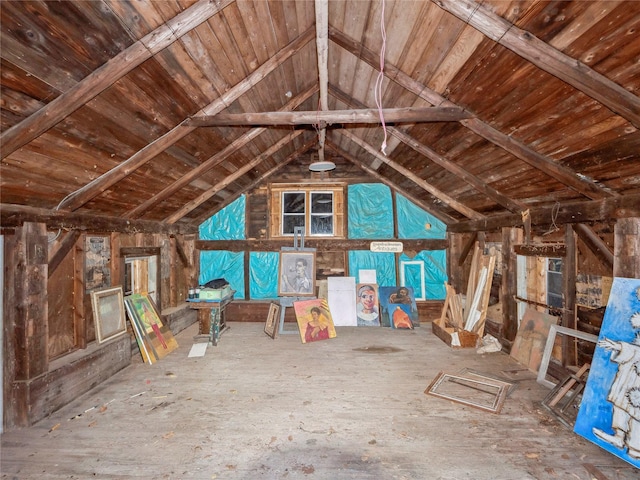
(476, 110)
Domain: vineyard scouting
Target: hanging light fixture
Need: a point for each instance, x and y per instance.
(322, 166)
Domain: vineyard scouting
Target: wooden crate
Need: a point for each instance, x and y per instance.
(444, 333)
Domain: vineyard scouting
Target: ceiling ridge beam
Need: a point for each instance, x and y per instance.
(212, 161)
(547, 58)
(258, 180)
(107, 74)
(442, 196)
(445, 218)
(548, 166)
(443, 162)
(330, 117)
(585, 211)
(97, 186)
(204, 196)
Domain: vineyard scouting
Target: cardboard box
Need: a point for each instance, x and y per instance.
(215, 293)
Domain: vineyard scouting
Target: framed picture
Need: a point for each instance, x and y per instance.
(97, 258)
(108, 313)
(314, 320)
(297, 273)
(367, 310)
(271, 325)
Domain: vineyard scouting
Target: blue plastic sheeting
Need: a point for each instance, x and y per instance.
(414, 222)
(263, 274)
(223, 264)
(227, 224)
(370, 211)
(383, 263)
(435, 273)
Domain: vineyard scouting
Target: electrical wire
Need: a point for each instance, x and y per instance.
(378, 86)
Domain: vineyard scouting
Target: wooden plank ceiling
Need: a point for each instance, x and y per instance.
(492, 107)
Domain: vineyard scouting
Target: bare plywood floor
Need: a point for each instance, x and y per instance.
(352, 407)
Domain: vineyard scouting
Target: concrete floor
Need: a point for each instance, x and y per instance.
(352, 407)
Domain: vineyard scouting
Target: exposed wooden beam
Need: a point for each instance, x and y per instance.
(322, 47)
(106, 75)
(447, 219)
(66, 244)
(579, 183)
(443, 197)
(330, 117)
(587, 211)
(229, 179)
(258, 181)
(213, 161)
(110, 178)
(438, 159)
(593, 241)
(319, 244)
(186, 261)
(16, 215)
(547, 58)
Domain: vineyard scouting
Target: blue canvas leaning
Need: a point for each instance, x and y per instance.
(609, 414)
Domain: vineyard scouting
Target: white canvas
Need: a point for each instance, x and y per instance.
(342, 301)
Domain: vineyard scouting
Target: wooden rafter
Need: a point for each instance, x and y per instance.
(452, 167)
(109, 73)
(447, 219)
(442, 196)
(203, 197)
(126, 168)
(544, 56)
(568, 177)
(331, 117)
(212, 162)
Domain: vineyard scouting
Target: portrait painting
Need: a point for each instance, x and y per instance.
(314, 320)
(297, 273)
(609, 413)
(398, 302)
(367, 308)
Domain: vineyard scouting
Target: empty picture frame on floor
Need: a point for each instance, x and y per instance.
(108, 313)
(472, 390)
(548, 349)
(273, 317)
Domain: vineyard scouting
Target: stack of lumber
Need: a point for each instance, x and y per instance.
(470, 314)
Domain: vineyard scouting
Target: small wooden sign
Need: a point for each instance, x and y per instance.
(387, 247)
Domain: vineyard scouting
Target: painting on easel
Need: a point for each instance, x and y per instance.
(609, 414)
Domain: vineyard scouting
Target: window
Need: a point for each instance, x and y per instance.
(554, 282)
(315, 208)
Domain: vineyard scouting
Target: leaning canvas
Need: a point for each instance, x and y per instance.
(609, 414)
(399, 301)
(314, 320)
(531, 338)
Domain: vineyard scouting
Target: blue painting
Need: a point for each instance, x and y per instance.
(609, 414)
(393, 299)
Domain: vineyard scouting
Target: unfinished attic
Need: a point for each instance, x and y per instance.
(453, 184)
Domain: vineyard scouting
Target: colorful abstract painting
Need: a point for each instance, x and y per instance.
(314, 320)
(401, 302)
(609, 414)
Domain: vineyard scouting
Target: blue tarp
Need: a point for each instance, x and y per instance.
(227, 224)
(223, 264)
(383, 263)
(263, 272)
(414, 222)
(370, 211)
(435, 273)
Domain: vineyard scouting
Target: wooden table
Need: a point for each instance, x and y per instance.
(211, 317)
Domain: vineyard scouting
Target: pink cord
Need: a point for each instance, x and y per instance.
(378, 87)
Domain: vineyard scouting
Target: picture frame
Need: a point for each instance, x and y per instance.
(273, 317)
(473, 390)
(297, 273)
(108, 313)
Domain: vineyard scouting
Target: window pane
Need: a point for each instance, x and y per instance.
(555, 265)
(291, 221)
(554, 300)
(322, 202)
(293, 202)
(321, 225)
